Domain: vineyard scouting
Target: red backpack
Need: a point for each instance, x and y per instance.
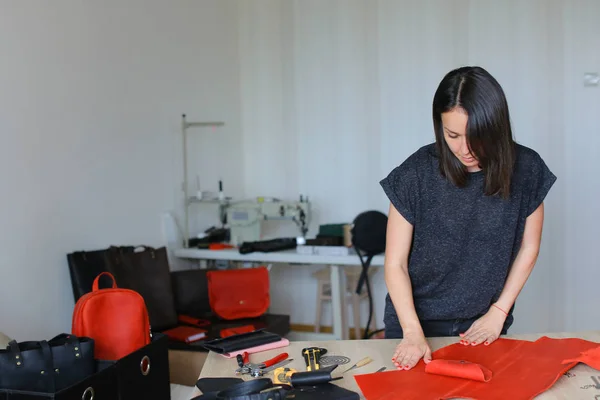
(117, 320)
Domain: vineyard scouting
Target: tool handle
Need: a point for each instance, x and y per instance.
(359, 364)
(363, 362)
(242, 359)
(276, 359)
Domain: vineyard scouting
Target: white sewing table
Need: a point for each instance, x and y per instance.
(291, 257)
(577, 385)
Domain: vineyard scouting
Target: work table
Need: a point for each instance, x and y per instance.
(577, 385)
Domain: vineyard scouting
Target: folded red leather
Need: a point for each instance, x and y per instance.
(590, 357)
(459, 369)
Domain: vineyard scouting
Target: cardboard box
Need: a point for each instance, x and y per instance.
(185, 366)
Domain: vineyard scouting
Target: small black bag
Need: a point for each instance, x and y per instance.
(46, 366)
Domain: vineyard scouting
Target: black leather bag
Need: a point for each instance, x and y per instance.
(85, 266)
(146, 271)
(190, 288)
(140, 268)
(46, 366)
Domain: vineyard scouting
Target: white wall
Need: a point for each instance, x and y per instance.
(581, 268)
(319, 98)
(91, 95)
(343, 90)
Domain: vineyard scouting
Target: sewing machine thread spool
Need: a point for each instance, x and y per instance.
(221, 193)
(198, 190)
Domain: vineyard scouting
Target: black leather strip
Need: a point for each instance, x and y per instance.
(48, 373)
(251, 390)
(278, 394)
(311, 378)
(16, 353)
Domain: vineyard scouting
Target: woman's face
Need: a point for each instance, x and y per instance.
(455, 134)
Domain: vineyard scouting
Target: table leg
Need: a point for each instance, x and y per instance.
(336, 302)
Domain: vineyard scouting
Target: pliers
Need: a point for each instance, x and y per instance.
(256, 370)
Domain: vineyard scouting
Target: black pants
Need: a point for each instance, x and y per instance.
(437, 328)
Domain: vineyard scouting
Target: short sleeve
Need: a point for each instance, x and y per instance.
(542, 181)
(400, 188)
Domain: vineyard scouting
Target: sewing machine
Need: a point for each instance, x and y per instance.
(244, 218)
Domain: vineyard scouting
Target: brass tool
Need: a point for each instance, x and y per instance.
(281, 376)
(312, 357)
(359, 364)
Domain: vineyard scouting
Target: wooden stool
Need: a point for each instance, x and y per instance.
(352, 275)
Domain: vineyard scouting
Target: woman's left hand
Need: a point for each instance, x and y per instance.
(486, 329)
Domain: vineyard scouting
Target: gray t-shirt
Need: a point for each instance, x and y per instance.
(464, 242)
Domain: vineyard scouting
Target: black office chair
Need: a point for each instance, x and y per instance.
(368, 239)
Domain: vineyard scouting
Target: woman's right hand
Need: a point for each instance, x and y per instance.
(411, 349)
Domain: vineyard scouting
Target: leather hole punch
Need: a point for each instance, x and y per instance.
(258, 370)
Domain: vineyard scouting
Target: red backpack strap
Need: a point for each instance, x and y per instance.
(95, 286)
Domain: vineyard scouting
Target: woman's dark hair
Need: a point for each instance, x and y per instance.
(489, 134)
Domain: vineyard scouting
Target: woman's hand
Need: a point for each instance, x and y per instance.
(410, 350)
(486, 329)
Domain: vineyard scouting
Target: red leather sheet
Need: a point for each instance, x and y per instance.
(506, 369)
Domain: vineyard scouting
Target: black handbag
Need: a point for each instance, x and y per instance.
(85, 266)
(146, 270)
(190, 290)
(46, 366)
(141, 268)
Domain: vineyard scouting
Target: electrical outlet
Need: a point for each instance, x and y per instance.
(591, 79)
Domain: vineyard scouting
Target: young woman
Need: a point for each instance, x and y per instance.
(464, 224)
